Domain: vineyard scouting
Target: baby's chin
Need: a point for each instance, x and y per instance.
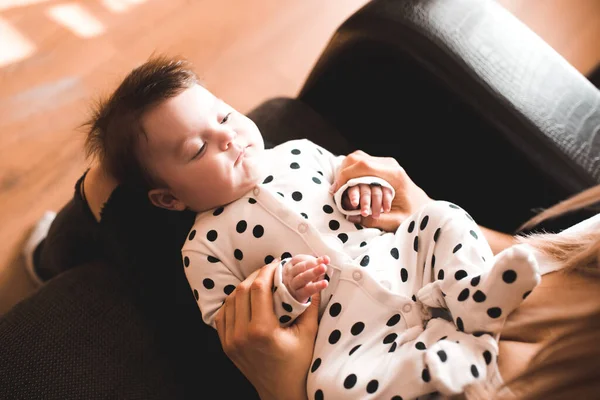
(257, 167)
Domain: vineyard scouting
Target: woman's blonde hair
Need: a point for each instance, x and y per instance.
(568, 366)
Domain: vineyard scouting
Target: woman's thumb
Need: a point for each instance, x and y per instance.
(310, 317)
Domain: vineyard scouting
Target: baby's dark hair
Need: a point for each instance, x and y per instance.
(114, 127)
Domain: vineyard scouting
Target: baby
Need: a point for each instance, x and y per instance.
(376, 335)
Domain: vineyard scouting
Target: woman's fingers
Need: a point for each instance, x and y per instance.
(261, 296)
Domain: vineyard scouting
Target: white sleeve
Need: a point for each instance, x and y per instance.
(287, 308)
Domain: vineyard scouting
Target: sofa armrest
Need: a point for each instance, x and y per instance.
(469, 69)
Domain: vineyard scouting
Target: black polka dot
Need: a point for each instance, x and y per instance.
(392, 348)
(315, 365)
(364, 261)
(460, 325)
(316, 180)
(454, 206)
(420, 346)
(424, 222)
(319, 395)
(397, 398)
(281, 194)
(509, 276)
(284, 319)
(320, 152)
(425, 375)
(479, 296)
(241, 226)
(372, 386)
(475, 280)
(474, 371)
(442, 355)
(258, 231)
(414, 298)
(334, 225)
(192, 235)
(238, 254)
(456, 248)
(196, 295)
(526, 294)
(304, 215)
(460, 274)
(442, 338)
(411, 226)
(416, 244)
(297, 196)
(390, 338)
(468, 216)
(335, 309)
(228, 289)
(320, 173)
(212, 235)
(343, 237)
(487, 356)
(285, 255)
(394, 319)
(433, 261)
(269, 259)
(208, 283)
(358, 227)
(354, 349)
(494, 312)
(363, 244)
(404, 274)
(218, 211)
(357, 328)
(335, 336)
(294, 165)
(268, 179)
(251, 200)
(295, 151)
(328, 209)
(212, 259)
(186, 261)
(287, 307)
(474, 234)
(436, 235)
(350, 381)
(394, 252)
(463, 295)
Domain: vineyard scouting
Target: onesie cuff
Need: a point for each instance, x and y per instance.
(368, 180)
(287, 308)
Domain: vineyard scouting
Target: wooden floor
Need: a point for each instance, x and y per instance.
(56, 56)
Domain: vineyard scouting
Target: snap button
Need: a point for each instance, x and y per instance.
(357, 276)
(407, 308)
(256, 190)
(386, 284)
(302, 228)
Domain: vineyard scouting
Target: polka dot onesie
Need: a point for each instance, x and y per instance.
(376, 336)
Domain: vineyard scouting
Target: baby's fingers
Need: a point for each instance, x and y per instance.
(387, 197)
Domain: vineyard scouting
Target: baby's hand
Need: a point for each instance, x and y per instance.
(304, 276)
(374, 196)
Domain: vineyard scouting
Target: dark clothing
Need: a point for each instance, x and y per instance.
(144, 243)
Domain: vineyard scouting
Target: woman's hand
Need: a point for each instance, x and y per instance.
(409, 197)
(274, 359)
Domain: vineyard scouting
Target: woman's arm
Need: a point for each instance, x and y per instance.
(274, 359)
(408, 199)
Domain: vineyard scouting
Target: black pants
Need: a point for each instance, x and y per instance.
(72, 239)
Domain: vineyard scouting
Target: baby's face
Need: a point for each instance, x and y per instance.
(206, 153)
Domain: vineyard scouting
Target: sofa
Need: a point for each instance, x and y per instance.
(475, 106)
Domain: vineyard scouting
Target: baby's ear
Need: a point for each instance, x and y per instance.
(163, 198)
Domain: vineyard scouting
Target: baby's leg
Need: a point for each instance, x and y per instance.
(459, 359)
(456, 258)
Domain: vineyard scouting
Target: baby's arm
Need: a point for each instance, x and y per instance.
(304, 276)
(295, 280)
